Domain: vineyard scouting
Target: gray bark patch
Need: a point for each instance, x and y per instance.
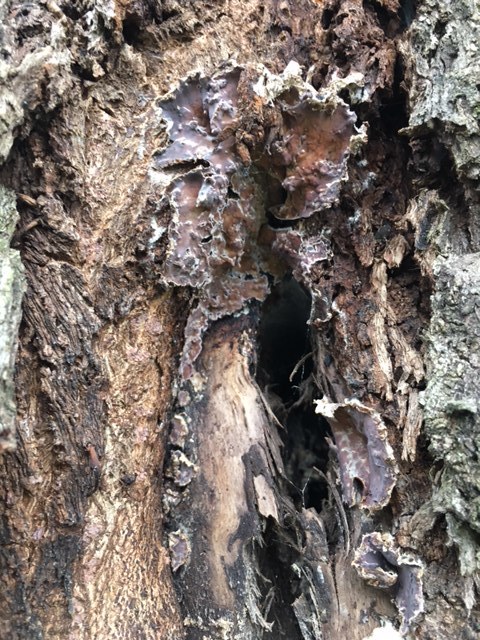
(12, 286)
(451, 399)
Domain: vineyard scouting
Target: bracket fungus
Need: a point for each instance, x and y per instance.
(367, 464)
(383, 565)
(309, 144)
(239, 141)
(180, 549)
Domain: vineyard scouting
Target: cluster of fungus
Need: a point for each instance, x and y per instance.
(245, 144)
(384, 566)
(248, 147)
(367, 464)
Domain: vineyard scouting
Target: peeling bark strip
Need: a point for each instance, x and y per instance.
(259, 193)
(230, 494)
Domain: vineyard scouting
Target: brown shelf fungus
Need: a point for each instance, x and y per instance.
(243, 143)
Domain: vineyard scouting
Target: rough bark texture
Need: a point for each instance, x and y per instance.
(247, 375)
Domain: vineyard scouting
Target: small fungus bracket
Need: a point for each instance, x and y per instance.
(383, 565)
(239, 141)
(180, 549)
(367, 464)
(308, 148)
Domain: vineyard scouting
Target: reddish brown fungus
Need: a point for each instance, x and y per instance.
(297, 138)
(383, 565)
(367, 463)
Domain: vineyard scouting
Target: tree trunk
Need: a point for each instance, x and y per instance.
(240, 397)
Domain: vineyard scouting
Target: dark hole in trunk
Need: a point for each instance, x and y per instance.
(284, 339)
(279, 585)
(286, 375)
(277, 223)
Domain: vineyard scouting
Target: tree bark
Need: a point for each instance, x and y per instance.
(239, 324)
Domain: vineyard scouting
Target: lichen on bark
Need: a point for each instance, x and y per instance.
(451, 401)
(444, 93)
(443, 71)
(12, 285)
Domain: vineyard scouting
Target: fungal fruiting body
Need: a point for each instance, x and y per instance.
(239, 141)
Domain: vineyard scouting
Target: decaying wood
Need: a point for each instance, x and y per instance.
(246, 370)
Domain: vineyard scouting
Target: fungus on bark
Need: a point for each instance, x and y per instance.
(367, 464)
(384, 566)
(234, 137)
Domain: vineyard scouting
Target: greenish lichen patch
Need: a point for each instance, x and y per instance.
(11, 291)
(451, 400)
(32, 75)
(445, 76)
